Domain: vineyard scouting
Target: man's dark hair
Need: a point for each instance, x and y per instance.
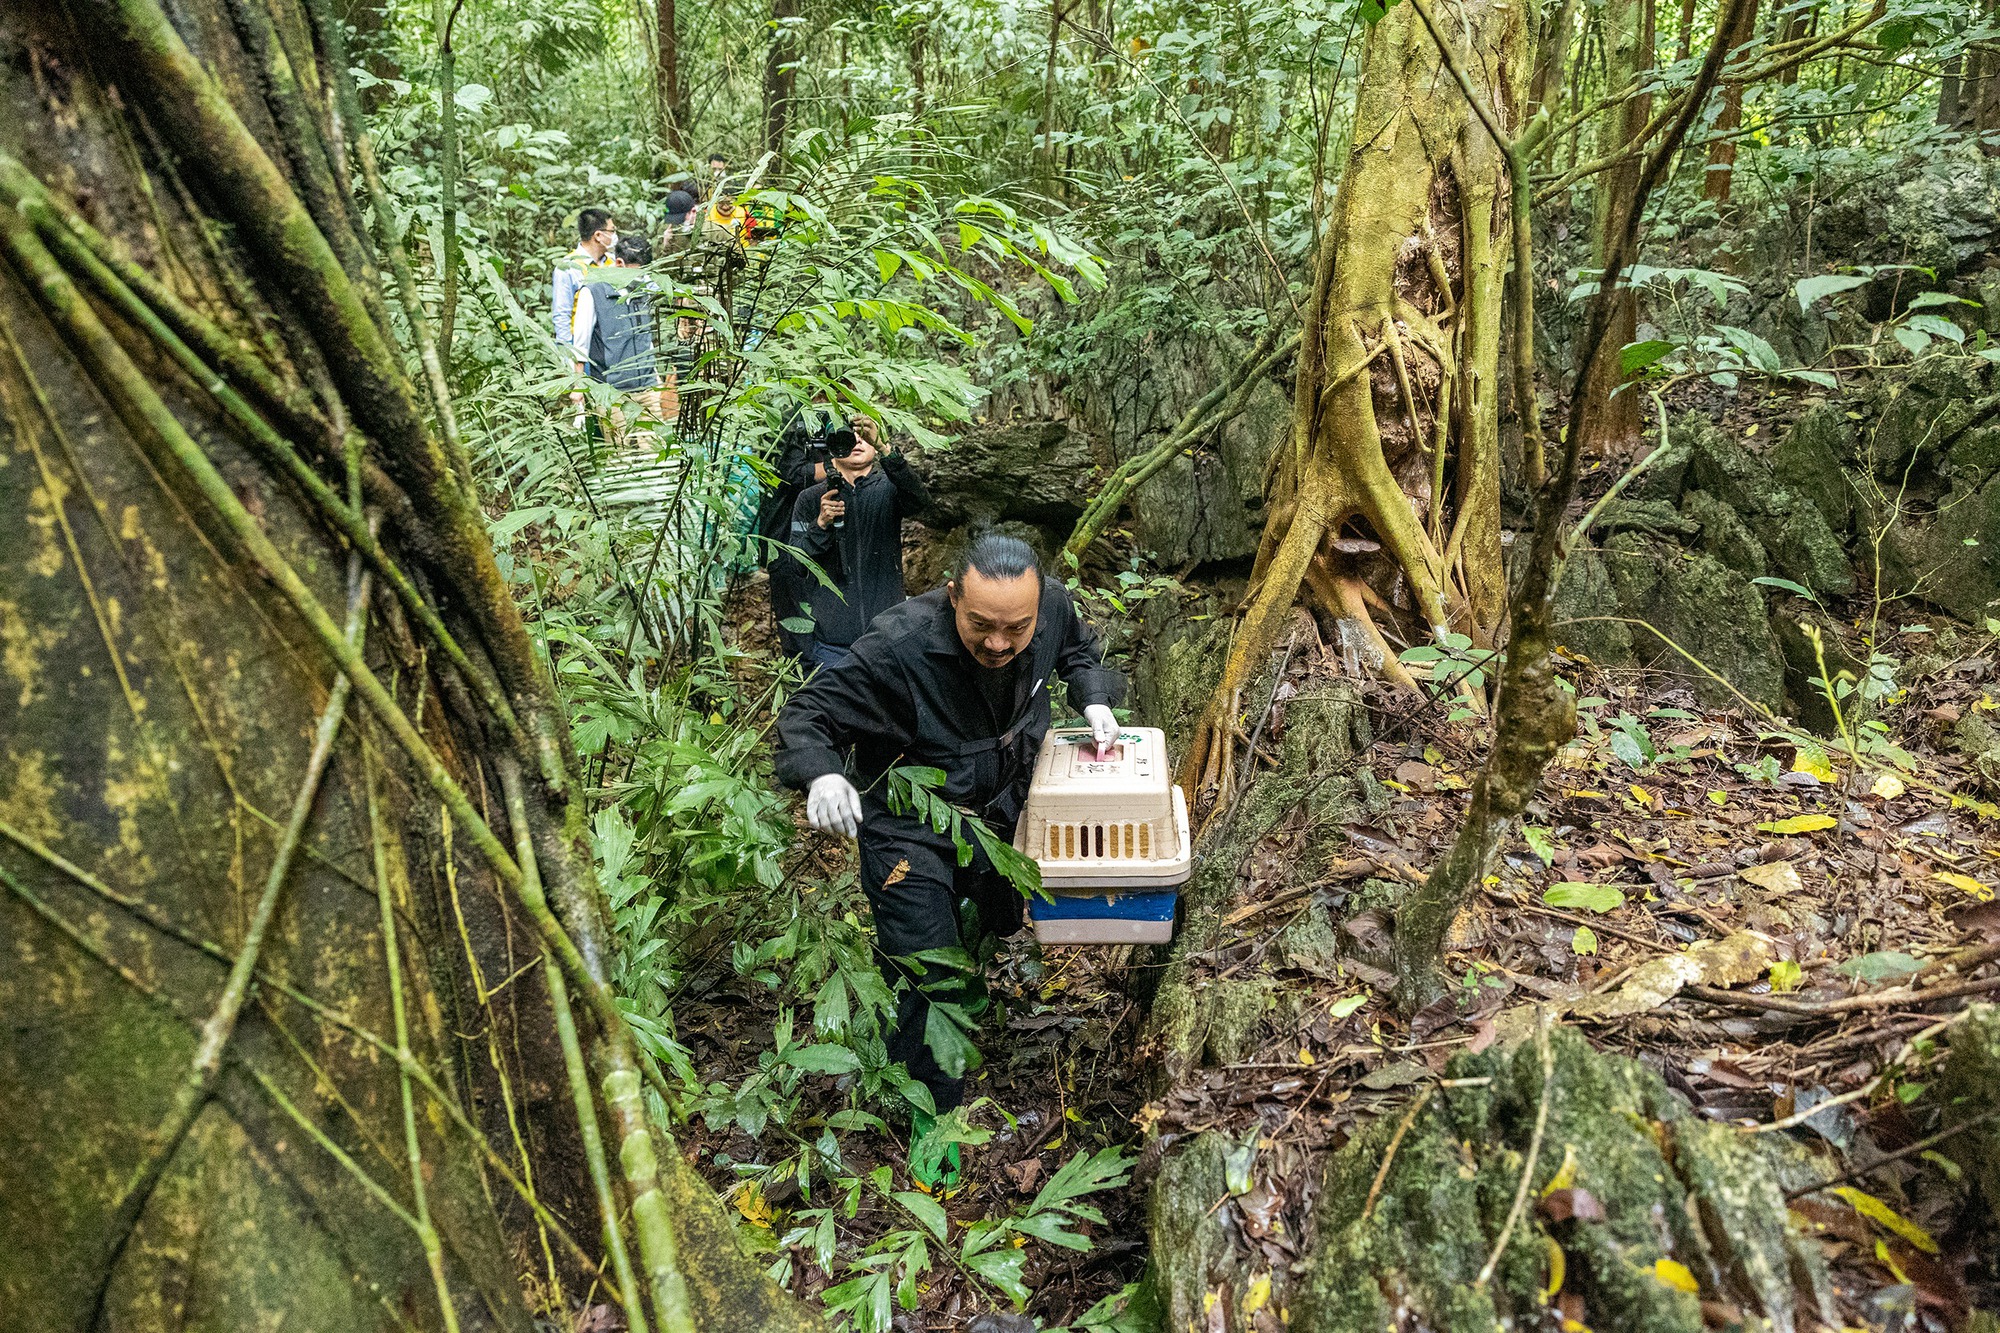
(717, 155)
(996, 556)
(635, 250)
(590, 221)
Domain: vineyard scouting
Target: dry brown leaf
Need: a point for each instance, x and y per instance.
(1777, 877)
(899, 874)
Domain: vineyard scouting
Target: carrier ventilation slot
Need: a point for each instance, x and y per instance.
(1102, 842)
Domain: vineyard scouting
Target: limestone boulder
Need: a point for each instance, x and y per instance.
(1811, 461)
(1038, 472)
(1712, 612)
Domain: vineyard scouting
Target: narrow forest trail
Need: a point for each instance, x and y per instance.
(1695, 891)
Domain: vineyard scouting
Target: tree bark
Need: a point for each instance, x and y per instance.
(1721, 175)
(1611, 418)
(669, 98)
(780, 76)
(1395, 435)
(186, 497)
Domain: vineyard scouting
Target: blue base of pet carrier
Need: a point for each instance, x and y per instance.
(1112, 918)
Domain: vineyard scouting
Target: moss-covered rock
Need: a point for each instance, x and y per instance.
(1192, 1252)
(1724, 534)
(1951, 560)
(1811, 461)
(1587, 610)
(1970, 1086)
(1709, 610)
(1802, 546)
(1663, 1210)
(1658, 518)
(1667, 476)
(1805, 689)
(1037, 472)
(1976, 735)
(1796, 536)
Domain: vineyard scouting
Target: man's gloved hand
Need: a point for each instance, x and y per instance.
(1103, 725)
(833, 806)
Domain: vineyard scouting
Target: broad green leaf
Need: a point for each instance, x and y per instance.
(1346, 1005)
(1758, 352)
(1937, 326)
(1825, 284)
(1879, 966)
(1589, 897)
(1796, 589)
(926, 1210)
(1584, 941)
(1001, 1267)
(950, 1047)
(1635, 357)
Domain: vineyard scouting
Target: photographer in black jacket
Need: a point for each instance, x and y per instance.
(800, 461)
(851, 526)
(958, 680)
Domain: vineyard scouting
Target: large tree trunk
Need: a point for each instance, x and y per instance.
(276, 1049)
(1611, 419)
(1721, 175)
(669, 96)
(1395, 424)
(781, 75)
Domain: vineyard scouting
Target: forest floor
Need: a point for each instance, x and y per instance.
(1667, 831)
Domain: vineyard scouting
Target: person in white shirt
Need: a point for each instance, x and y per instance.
(597, 235)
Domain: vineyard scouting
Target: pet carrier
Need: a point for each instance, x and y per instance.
(1110, 832)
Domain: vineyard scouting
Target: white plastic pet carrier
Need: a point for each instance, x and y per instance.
(1110, 833)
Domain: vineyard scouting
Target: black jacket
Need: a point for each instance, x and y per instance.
(794, 463)
(909, 695)
(864, 555)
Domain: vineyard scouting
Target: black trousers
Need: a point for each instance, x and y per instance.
(914, 886)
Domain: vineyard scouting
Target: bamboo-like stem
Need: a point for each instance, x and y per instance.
(427, 1234)
(290, 404)
(192, 107)
(345, 516)
(134, 394)
(391, 230)
(446, 15)
(195, 1089)
(1216, 408)
(592, 1137)
(495, 1054)
(655, 1233)
(140, 910)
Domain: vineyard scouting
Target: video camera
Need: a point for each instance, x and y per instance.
(840, 441)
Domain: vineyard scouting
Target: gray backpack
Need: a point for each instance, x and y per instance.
(621, 343)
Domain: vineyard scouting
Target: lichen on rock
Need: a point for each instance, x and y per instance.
(1652, 1209)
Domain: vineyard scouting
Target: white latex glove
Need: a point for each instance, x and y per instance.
(833, 806)
(1103, 725)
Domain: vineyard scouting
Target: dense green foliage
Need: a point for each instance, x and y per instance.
(978, 193)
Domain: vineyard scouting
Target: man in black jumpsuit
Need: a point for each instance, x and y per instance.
(956, 679)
